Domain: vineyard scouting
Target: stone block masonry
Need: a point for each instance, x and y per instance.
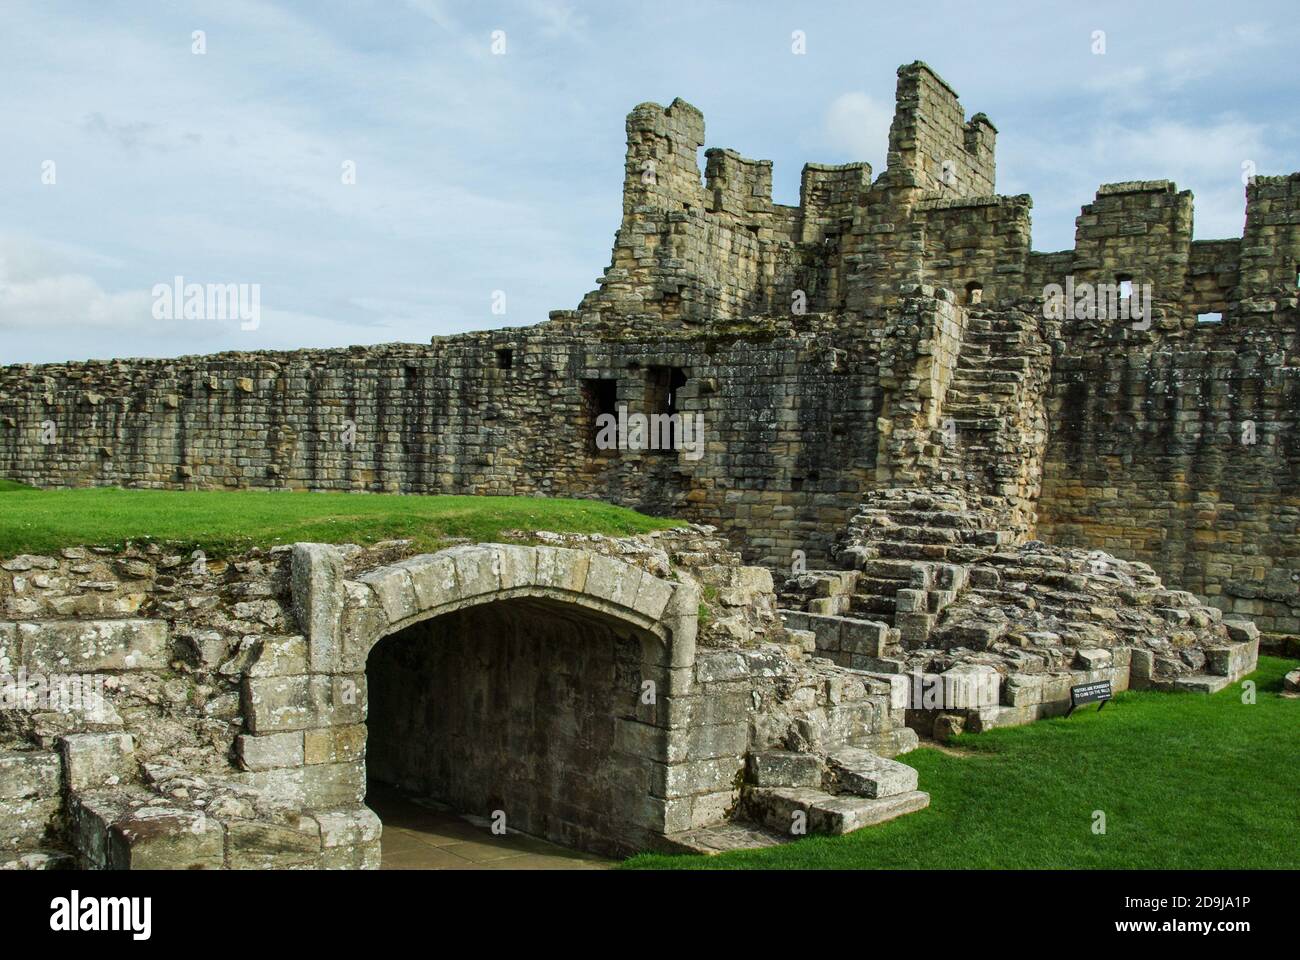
(880, 388)
(778, 415)
(883, 332)
(1183, 451)
(607, 694)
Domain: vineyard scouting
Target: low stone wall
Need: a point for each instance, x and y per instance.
(1020, 698)
(782, 458)
(605, 693)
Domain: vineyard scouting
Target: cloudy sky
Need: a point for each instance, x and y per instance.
(477, 172)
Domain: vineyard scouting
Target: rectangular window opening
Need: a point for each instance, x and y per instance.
(1209, 318)
(599, 397)
(505, 359)
(662, 386)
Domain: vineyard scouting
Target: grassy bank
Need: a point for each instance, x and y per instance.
(225, 522)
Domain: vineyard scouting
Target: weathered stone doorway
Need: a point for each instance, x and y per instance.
(510, 711)
(536, 681)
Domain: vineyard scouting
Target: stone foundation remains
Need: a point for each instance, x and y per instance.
(586, 692)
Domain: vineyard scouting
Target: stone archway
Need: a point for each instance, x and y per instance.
(516, 712)
(344, 619)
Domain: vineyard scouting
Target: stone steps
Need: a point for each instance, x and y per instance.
(966, 392)
(777, 808)
(922, 535)
(1201, 683)
(966, 412)
(875, 604)
(862, 773)
(1003, 338)
(881, 586)
(968, 377)
(985, 362)
(977, 423)
(992, 370)
(883, 569)
(967, 535)
(929, 518)
(895, 550)
(911, 547)
(788, 794)
(1063, 610)
(974, 545)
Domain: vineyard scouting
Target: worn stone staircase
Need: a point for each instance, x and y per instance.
(912, 548)
(907, 555)
(993, 426)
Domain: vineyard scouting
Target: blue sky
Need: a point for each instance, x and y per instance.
(478, 172)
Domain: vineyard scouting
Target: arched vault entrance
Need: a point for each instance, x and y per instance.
(524, 682)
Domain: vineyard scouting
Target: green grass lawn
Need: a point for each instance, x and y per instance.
(1185, 781)
(224, 522)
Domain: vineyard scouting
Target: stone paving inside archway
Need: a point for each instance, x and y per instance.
(421, 836)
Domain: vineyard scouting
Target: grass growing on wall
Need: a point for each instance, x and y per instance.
(1185, 781)
(225, 522)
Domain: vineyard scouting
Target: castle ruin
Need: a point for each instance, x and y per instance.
(926, 450)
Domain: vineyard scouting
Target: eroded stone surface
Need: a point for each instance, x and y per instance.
(921, 390)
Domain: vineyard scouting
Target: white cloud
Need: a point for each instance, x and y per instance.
(478, 172)
(859, 124)
(559, 19)
(1164, 70)
(46, 303)
(41, 288)
(1202, 157)
(62, 303)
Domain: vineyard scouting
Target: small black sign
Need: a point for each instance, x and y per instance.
(1097, 690)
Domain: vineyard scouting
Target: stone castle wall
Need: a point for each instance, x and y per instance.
(880, 332)
(1184, 451)
(784, 462)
